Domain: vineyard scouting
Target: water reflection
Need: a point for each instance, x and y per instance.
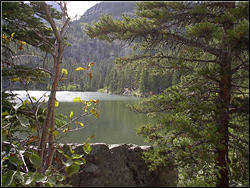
(116, 124)
(68, 96)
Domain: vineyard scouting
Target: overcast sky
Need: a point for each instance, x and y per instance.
(79, 7)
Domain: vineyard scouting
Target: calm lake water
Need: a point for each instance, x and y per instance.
(116, 124)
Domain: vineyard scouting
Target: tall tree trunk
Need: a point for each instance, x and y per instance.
(221, 157)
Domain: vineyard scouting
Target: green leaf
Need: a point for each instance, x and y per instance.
(23, 43)
(40, 178)
(8, 178)
(52, 180)
(15, 79)
(65, 71)
(60, 151)
(78, 162)
(71, 115)
(56, 103)
(15, 161)
(77, 99)
(20, 176)
(26, 102)
(35, 160)
(73, 169)
(93, 111)
(80, 68)
(76, 156)
(44, 110)
(68, 163)
(34, 98)
(5, 113)
(81, 124)
(71, 150)
(60, 178)
(55, 133)
(48, 184)
(12, 35)
(84, 161)
(66, 156)
(4, 131)
(48, 171)
(66, 130)
(87, 148)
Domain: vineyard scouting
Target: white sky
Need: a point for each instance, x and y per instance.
(79, 7)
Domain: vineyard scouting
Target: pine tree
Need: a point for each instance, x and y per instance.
(201, 123)
(19, 17)
(144, 82)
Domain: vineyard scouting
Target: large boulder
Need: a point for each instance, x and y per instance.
(119, 165)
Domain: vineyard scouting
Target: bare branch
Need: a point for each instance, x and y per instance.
(51, 21)
(19, 152)
(74, 119)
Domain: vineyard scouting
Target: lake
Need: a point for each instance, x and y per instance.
(116, 123)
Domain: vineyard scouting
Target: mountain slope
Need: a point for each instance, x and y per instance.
(84, 50)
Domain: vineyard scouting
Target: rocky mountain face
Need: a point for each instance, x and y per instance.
(115, 9)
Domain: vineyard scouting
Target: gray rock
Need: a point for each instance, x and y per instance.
(119, 165)
(127, 92)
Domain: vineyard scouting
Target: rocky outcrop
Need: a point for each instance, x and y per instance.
(119, 165)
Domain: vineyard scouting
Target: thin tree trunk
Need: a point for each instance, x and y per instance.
(42, 147)
(49, 123)
(51, 149)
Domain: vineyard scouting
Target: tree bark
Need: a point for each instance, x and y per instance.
(225, 84)
(221, 155)
(51, 148)
(49, 122)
